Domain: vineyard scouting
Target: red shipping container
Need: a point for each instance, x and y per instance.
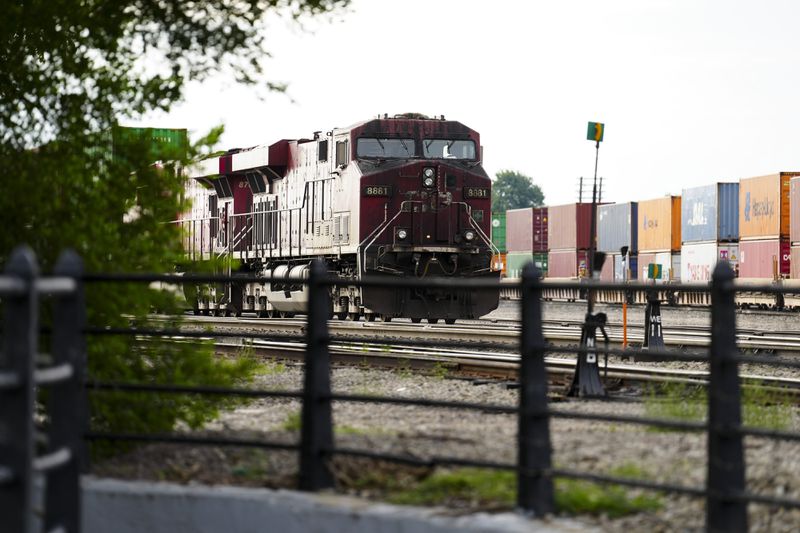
(540, 216)
(567, 263)
(756, 258)
(526, 229)
(607, 272)
(568, 226)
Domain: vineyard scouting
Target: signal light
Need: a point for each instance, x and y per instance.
(469, 235)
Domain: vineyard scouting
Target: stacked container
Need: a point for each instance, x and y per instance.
(526, 239)
(568, 240)
(659, 236)
(794, 226)
(709, 228)
(499, 240)
(764, 225)
(617, 226)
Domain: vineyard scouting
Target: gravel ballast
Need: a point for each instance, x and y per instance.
(772, 467)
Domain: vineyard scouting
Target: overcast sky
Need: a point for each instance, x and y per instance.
(691, 92)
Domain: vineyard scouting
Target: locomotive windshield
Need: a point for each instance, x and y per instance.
(448, 149)
(385, 148)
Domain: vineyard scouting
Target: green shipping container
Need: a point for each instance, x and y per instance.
(499, 231)
(515, 261)
(164, 143)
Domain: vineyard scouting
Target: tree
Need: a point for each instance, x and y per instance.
(512, 190)
(71, 71)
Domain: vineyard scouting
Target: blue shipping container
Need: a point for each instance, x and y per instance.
(617, 226)
(710, 213)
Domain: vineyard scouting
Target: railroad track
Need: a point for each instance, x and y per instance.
(494, 364)
(556, 332)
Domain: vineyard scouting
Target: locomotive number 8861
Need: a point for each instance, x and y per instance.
(404, 196)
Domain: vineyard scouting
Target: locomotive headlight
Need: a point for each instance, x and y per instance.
(402, 234)
(428, 176)
(469, 235)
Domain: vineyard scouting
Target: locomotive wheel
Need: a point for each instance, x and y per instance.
(206, 312)
(386, 318)
(196, 311)
(370, 317)
(416, 320)
(283, 314)
(433, 320)
(262, 314)
(341, 316)
(450, 321)
(353, 316)
(289, 315)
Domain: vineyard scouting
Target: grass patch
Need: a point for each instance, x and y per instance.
(253, 467)
(761, 407)
(439, 370)
(497, 489)
(271, 368)
(293, 422)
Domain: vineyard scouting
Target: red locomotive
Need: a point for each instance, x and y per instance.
(402, 196)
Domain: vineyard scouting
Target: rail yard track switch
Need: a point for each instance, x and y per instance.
(586, 382)
(653, 332)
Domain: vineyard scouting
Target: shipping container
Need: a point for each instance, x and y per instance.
(569, 226)
(794, 211)
(617, 226)
(499, 263)
(698, 259)
(623, 272)
(710, 213)
(516, 261)
(567, 263)
(164, 143)
(764, 258)
(669, 263)
(499, 231)
(764, 206)
(660, 225)
(607, 272)
(794, 262)
(540, 216)
(526, 229)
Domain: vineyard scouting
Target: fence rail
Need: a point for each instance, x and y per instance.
(64, 457)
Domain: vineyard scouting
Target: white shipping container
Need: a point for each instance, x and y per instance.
(699, 259)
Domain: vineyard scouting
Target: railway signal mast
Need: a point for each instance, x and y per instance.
(586, 381)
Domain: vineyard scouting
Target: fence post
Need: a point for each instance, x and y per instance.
(316, 433)
(67, 400)
(20, 334)
(534, 484)
(726, 469)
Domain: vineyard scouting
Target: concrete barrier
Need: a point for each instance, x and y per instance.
(139, 506)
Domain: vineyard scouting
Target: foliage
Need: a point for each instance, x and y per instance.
(492, 488)
(761, 406)
(72, 70)
(513, 190)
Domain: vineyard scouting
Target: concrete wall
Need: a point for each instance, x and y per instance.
(128, 507)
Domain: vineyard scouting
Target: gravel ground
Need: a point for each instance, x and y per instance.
(772, 467)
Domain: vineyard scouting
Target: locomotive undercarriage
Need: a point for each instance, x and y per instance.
(284, 299)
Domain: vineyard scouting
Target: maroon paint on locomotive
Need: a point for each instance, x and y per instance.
(437, 225)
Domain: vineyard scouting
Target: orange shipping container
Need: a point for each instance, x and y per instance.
(764, 206)
(499, 263)
(660, 225)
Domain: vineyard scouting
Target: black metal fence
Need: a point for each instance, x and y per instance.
(725, 491)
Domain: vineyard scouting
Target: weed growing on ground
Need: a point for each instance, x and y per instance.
(439, 370)
(293, 422)
(498, 489)
(761, 406)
